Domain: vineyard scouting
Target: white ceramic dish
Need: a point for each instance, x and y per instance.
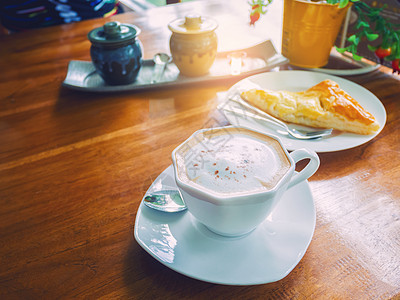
(348, 72)
(300, 81)
(267, 254)
(359, 67)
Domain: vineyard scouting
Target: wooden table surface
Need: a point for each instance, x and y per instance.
(74, 167)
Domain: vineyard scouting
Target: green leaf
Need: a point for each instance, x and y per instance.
(341, 50)
(357, 57)
(371, 36)
(343, 3)
(354, 39)
(362, 24)
(372, 48)
(332, 1)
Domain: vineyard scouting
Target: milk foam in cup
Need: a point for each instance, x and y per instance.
(241, 164)
(231, 178)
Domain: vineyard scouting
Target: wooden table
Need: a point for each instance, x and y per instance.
(74, 167)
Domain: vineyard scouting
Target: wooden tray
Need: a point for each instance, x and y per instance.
(82, 75)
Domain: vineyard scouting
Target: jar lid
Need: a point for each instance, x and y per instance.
(193, 24)
(113, 33)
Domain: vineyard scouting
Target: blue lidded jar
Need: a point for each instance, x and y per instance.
(116, 52)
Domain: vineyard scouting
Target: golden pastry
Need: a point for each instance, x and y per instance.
(323, 105)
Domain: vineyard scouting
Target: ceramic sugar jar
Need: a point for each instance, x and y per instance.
(116, 52)
(193, 44)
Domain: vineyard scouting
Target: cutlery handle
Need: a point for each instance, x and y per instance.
(239, 100)
(253, 116)
(158, 70)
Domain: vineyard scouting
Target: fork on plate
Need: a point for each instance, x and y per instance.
(260, 115)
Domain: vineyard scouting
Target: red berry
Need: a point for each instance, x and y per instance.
(381, 53)
(254, 16)
(395, 65)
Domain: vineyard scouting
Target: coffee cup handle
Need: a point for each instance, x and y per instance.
(308, 170)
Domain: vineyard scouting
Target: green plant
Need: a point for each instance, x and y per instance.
(370, 26)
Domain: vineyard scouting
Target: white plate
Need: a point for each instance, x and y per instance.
(265, 255)
(299, 81)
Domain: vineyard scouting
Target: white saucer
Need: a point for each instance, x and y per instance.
(267, 254)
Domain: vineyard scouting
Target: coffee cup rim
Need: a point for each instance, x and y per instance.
(204, 194)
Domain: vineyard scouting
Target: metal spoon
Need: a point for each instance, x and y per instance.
(160, 61)
(167, 201)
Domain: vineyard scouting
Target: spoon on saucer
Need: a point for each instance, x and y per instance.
(160, 61)
(165, 200)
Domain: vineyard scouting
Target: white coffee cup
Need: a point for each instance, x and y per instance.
(231, 178)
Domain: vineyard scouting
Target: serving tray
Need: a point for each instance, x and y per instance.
(82, 75)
